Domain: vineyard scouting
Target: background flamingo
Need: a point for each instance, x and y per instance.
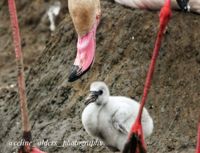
(193, 5)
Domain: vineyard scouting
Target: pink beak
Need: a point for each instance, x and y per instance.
(86, 46)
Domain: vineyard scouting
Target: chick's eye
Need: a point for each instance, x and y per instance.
(100, 92)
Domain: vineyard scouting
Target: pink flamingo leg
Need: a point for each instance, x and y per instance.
(198, 139)
(21, 81)
(136, 143)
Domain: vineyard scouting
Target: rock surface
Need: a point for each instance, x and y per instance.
(125, 41)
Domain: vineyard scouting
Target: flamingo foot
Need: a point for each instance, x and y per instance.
(136, 143)
(85, 54)
(36, 150)
(29, 149)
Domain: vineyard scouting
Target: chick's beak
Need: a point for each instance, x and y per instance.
(92, 97)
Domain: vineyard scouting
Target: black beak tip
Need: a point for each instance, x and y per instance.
(76, 73)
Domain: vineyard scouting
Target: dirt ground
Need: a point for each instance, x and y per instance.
(125, 41)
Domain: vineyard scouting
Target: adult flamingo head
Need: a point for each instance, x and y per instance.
(86, 17)
(85, 54)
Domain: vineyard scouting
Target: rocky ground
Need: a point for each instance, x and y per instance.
(125, 41)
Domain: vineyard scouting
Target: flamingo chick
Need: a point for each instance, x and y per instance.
(85, 16)
(109, 118)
